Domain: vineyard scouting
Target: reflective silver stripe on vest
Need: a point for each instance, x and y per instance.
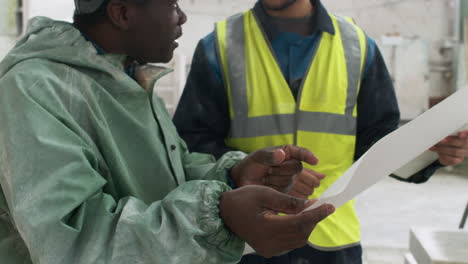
(333, 248)
(262, 126)
(235, 49)
(243, 126)
(352, 50)
(284, 124)
(326, 123)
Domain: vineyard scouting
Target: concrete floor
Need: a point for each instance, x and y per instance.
(389, 209)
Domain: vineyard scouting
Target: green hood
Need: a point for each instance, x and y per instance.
(61, 42)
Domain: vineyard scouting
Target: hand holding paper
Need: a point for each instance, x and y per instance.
(401, 147)
(453, 149)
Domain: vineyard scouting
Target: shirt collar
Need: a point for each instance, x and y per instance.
(320, 21)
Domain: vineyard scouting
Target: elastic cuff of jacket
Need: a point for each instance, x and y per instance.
(213, 224)
(232, 159)
(219, 236)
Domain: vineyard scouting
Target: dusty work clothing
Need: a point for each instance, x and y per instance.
(91, 167)
(206, 94)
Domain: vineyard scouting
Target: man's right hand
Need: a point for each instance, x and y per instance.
(251, 212)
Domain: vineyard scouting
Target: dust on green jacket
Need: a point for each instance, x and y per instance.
(92, 169)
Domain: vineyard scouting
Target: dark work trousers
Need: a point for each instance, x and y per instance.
(310, 255)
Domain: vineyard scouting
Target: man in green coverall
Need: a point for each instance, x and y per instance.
(92, 169)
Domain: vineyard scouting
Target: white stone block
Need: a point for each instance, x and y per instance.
(430, 246)
(409, 259)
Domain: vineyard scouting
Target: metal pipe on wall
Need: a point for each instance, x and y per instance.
(457, 23)
(458, 50)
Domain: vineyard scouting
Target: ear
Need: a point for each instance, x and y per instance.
(117, 12)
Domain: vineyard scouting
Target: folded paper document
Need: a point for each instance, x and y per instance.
(401, 152)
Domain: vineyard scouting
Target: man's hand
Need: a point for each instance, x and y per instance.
(453, 149)
(251, 212)
(305, 183)
(274, 167)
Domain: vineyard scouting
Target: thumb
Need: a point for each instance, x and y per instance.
(283, 203)
(318, 214)
(269, 156)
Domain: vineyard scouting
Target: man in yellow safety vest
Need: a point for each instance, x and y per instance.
(289, 72)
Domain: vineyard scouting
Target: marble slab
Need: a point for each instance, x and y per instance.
(432, 246)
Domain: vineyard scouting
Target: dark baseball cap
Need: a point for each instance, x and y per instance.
(87, 6)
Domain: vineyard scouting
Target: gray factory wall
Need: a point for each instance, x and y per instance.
(7, 25)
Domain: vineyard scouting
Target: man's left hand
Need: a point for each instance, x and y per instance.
(275, 167)
(306, 181)
(453, 149)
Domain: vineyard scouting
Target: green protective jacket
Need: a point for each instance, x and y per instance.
(92, 169)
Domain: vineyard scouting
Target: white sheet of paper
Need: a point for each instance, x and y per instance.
(419, 163)
(399, 148)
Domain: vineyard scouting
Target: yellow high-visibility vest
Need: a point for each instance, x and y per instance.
(264, 113)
